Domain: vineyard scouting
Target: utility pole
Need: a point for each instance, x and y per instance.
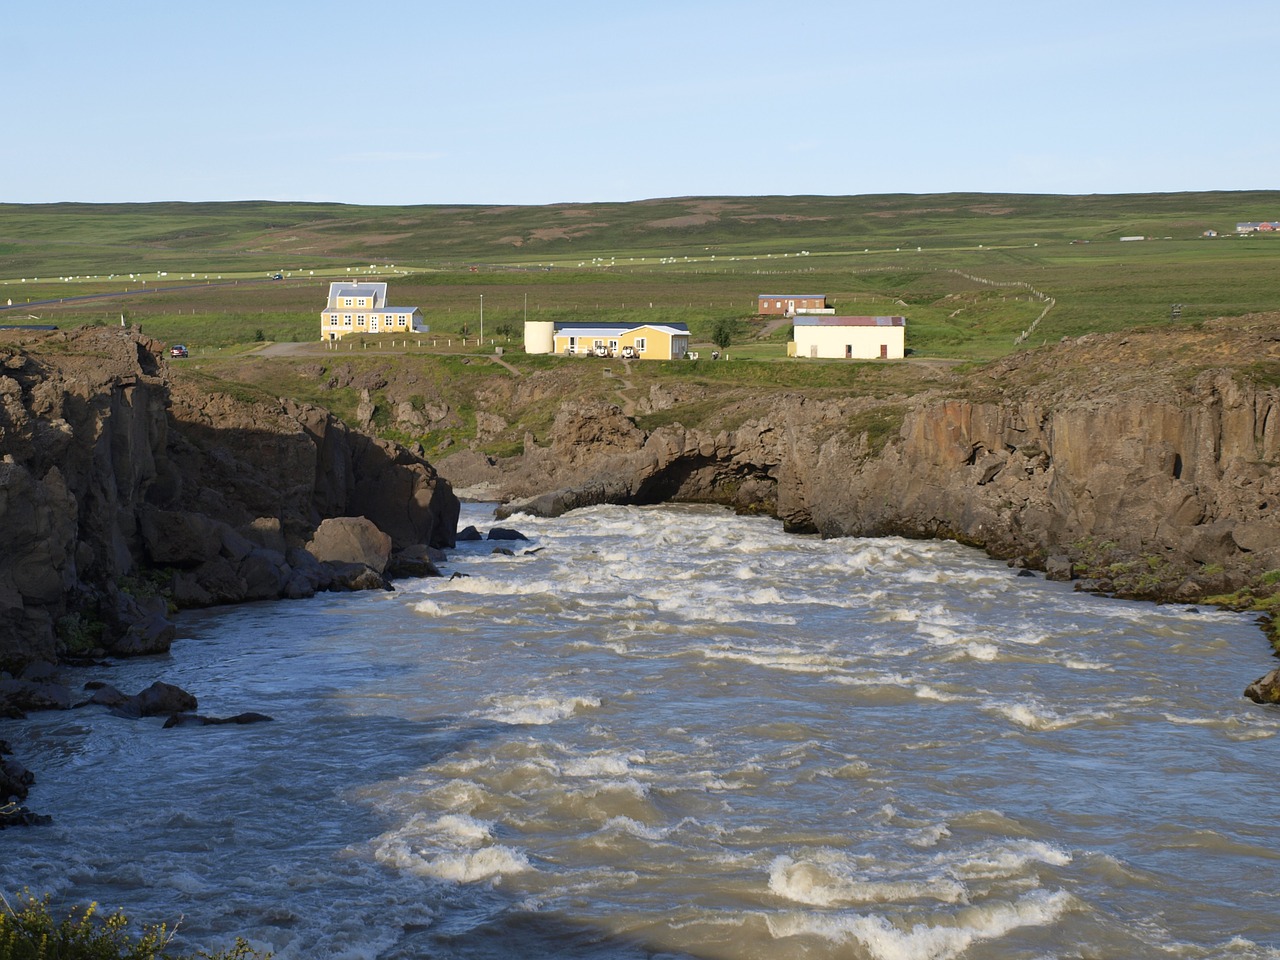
(482, 319)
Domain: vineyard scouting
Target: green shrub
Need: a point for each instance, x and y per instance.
(31, 933)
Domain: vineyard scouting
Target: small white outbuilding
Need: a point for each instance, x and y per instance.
(849, 338)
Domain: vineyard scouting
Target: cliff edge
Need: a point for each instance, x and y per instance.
(1142, 464)
(121, 491)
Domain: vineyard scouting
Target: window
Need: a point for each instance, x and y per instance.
(640, 344)
(333, 319)
(359, 319)
(346, 319)
(346, 302)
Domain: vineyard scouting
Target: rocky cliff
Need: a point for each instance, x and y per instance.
(121, 491)
(1144, 463)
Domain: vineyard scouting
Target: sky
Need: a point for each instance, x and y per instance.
(423, 101)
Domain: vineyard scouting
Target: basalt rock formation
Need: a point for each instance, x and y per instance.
(1144, 463)
(121, 490)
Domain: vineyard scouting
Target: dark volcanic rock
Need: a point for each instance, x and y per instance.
(22, 696)
(356, 576)
(415, 561)
(158, 700)
(505, 533)
(110, 471)
(1265, 689)
(195, 720)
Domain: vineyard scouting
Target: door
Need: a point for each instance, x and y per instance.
(848, 351)
(884, 351)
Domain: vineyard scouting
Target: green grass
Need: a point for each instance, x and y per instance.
(697, 261)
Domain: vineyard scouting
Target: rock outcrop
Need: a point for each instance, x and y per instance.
(121, 490)
(1144, 461)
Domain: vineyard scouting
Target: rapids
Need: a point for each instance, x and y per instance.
(673, 731)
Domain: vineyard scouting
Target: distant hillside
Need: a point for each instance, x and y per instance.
(79, 238)
(976, 275)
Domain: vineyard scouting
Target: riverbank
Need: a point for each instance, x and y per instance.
(1139, 465)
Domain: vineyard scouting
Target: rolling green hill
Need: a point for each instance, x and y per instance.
(972, 272)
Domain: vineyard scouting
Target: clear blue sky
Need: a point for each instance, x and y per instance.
(397, 101)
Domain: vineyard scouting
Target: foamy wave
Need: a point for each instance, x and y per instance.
(927, 692)
(453, 847)
(487, 586)
(776, 658)
(874, 680)
(1011, 860)
(828, 880)
(429, 608)
(463, 828)
(928, 836)
(635, 828)
(538, 711)
(720, 610)
(884, 940)
(853, 770)
(1038, 717)
(600, 765)
(491, 863)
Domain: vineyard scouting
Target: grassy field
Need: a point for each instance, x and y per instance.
(971, 273)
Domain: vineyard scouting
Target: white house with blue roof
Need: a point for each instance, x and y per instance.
(360, 306)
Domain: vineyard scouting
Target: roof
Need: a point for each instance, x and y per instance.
(816, 321)
(348, 288)
(334, 309)
(582, 329)
(791, 296)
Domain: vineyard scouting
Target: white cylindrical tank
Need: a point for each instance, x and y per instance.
(539, 336)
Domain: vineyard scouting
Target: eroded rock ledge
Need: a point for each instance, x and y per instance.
(121, 491)
(1142, 464)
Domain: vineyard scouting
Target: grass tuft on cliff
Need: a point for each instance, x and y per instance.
(30, 932)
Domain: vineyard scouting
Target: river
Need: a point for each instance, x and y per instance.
(676, 732)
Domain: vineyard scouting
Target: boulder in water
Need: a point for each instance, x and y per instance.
(1265, 689)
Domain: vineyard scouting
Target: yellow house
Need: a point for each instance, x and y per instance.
(361, 307)
(643, 341)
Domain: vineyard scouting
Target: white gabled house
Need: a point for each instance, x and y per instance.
(361, 307)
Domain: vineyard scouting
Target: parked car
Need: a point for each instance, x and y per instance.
(629, 353)
(178, 350)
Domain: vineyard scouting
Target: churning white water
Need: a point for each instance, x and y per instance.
(677, 732)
